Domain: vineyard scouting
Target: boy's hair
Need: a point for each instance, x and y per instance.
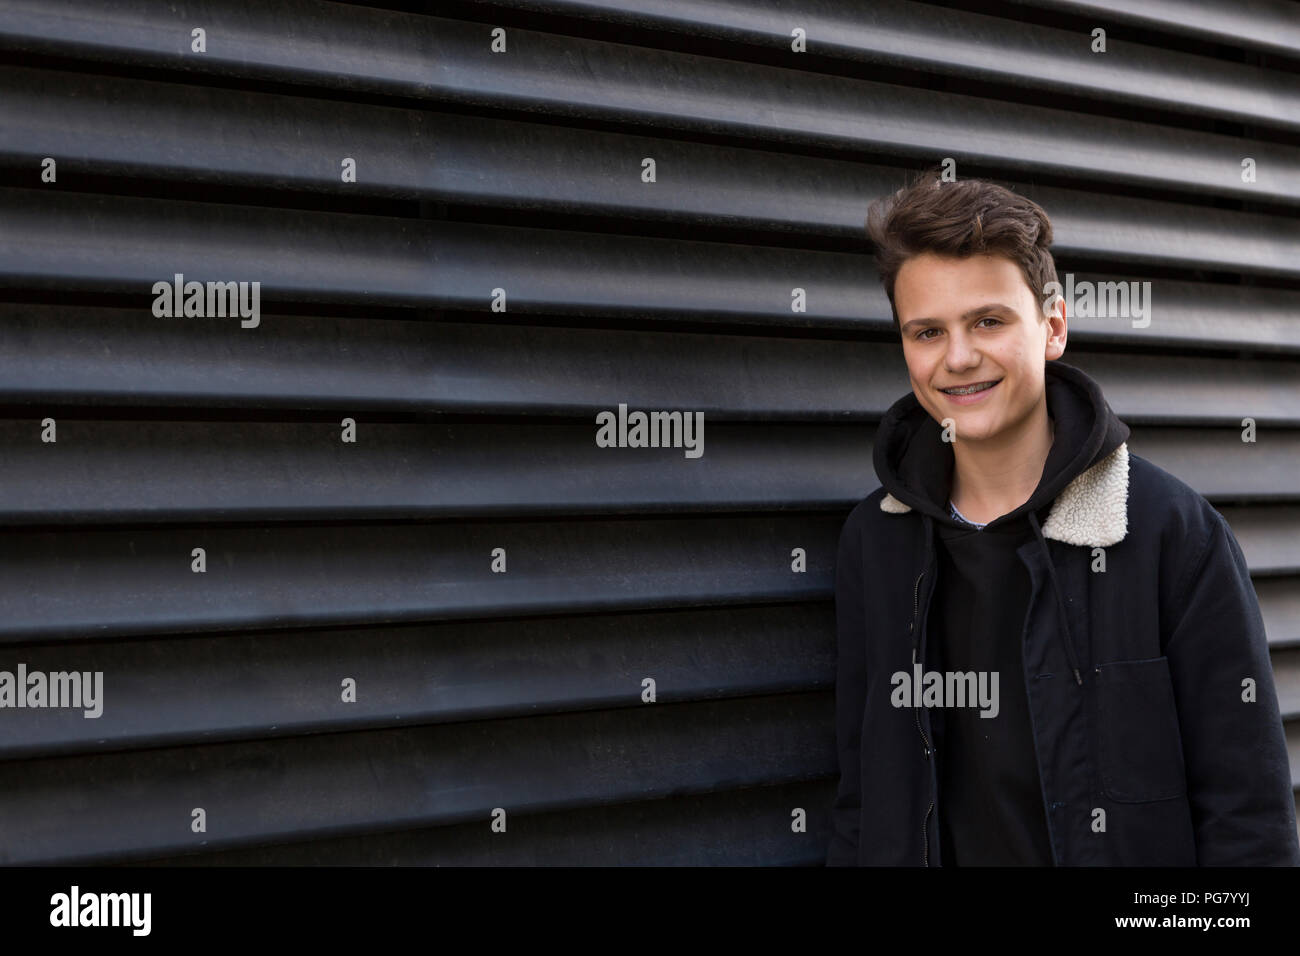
(960, 219)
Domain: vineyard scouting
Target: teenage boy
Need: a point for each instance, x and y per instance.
(1017, 546)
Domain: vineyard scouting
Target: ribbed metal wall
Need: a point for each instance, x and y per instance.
(522, 170)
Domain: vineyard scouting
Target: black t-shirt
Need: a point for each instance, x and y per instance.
(990, 797)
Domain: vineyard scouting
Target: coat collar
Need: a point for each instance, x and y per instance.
(1092, 509)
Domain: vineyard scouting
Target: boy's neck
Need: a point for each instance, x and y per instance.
(996, 476)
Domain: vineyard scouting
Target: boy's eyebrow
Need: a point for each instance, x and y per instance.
(968, 314)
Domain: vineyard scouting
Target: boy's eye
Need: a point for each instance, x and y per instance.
(922, 336)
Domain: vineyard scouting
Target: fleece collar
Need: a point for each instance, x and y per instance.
(1092, 509)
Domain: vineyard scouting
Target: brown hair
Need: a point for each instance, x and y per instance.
(960, 219)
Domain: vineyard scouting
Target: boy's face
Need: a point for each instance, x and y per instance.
(970, 321)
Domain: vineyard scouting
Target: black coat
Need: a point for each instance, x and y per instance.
(1149, 748)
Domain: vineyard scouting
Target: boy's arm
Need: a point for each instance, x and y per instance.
(850, 695)
(1238, 777)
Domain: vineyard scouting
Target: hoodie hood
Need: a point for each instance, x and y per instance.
(915, 465)
(1084, 481)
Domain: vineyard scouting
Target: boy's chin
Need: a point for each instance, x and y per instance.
(973, 426)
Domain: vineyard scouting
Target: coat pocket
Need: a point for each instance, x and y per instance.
(1140, 745)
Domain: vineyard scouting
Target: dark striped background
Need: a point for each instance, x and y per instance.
(522, 170)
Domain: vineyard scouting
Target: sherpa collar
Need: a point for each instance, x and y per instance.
(1092, 510)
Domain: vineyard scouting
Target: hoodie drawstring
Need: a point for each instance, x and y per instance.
(928, 537)
(1060, 603)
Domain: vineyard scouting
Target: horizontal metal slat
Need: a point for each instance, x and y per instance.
(749, 827)
(329, 785)
(1157, 233)
(59, 355)
(192, 134)
(125, 246)
(1220, 466)
(168, 691)
(84, 243)
(1191, 315)
(134, 471)
(51, 354)
(351, 51)
(1192, 390)
(960, 43)
(1269, 537)
(56, 586)
(1268, 25)
(112, 583)
(1279, 602)
(114, 472)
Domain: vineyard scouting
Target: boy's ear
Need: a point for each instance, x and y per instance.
(1056, 338)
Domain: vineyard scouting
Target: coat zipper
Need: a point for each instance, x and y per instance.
(916, 597)
(925, 844)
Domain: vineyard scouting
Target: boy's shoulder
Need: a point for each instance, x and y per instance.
(879, 531)
(1164, 505)
(864, 513)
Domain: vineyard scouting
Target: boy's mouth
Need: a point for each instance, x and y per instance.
(970, 394)
(971, 389)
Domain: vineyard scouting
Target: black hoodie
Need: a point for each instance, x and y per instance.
(991, 803)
